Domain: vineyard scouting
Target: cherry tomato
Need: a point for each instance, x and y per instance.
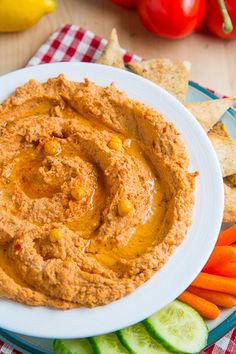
(129, 4)
(172, 18)
(214, 18)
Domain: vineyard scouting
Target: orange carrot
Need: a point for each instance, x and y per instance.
(226, 269)
(204, 307)
(227, 237)
(220, 255)
(215, 282)
(220, 299)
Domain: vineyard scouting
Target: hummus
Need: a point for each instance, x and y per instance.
(95, 194)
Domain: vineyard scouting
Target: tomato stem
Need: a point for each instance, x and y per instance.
(227, 25)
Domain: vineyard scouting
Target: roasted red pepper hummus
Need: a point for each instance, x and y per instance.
(95, 194)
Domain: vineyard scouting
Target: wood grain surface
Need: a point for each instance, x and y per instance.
(213, 60)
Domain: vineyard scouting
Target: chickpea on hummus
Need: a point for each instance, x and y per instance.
(95, 194)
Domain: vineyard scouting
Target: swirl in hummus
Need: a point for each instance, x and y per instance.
(95, 194)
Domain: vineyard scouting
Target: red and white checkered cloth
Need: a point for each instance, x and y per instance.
(7, 349)
(73, 43)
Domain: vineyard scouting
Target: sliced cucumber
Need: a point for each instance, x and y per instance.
(179, 328)
(138, 341)
(72, 346)
(107, 344)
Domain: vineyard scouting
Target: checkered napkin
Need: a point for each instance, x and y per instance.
(73, 43)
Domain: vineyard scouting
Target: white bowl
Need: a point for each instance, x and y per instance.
(188, 259)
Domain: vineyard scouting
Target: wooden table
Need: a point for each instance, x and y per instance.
(213, 60)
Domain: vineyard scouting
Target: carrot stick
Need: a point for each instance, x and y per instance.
(227, 237)
(220, 299)
(220, 255)
(215, 282)
(204, 307)
(225, 269)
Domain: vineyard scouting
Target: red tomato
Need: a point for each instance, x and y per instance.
(172, 18)
(129, 4)
(214, 18)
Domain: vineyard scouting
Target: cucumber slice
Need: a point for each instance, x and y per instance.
(179, 328)
(107, 344)
(72, 346)
(138, 341)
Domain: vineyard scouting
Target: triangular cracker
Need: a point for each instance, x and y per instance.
(226, 152)
(209, 112)
(230, 180)
(230, 204)
(111, 54)
(172, 75)
(219, 129)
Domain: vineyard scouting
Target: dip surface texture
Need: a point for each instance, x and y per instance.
(95, 194)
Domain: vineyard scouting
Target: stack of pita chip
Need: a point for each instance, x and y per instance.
(173, 76)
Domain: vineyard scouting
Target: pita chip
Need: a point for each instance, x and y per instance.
(230, 204)
(219, 129)
(230, 180)
(226, 152)
(172, 75)
(209, 112)
(111, 54)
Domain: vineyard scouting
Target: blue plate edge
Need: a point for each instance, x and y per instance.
(11, 338)
(229, 323)
(222, 329)
(214, 335)
(193, 84)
